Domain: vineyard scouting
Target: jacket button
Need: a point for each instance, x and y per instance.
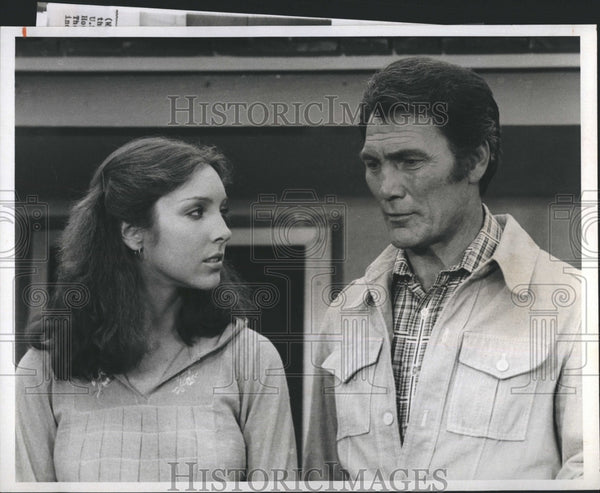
(502, 364)
(388, 418)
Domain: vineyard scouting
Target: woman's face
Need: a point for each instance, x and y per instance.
(186, 244)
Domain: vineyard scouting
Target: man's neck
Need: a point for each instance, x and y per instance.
(427, 263)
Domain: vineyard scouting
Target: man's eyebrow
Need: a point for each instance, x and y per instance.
(404, 153)
(364, 154)
(399, 154)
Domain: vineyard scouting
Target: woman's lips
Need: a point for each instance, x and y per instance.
(214, 259)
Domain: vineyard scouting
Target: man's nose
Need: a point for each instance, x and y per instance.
(393, 182)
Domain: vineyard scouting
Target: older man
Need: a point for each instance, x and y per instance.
(434, 360)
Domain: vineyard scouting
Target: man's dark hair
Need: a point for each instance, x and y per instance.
(471, 113)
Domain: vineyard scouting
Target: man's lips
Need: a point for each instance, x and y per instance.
(398, 218)
(398, 215)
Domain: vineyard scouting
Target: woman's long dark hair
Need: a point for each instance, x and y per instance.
(106, 334)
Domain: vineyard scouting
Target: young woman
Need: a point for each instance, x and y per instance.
(150, 372)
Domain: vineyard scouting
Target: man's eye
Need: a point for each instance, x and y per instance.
(372, 165)
(411, 163)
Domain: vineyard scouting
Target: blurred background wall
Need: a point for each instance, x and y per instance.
(78, 99)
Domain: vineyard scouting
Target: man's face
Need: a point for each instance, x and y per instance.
(409, 169)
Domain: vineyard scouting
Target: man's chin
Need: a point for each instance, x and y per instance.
(402, 237)
(404, 242)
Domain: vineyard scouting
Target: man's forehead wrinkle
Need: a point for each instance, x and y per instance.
(406, 136)
(392, 128)
(398, 137)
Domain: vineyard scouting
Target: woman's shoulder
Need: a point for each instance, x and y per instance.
(34, 370)
(34, 359)
(256, 362)
(255, 346)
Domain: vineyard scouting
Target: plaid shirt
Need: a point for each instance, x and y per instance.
(416, 311)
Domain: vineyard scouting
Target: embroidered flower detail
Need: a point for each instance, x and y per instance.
(185, 380)
(101, 381)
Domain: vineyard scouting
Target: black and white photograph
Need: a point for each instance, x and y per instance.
(298, 257)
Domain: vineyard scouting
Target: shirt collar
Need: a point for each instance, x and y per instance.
(484, 244)
(516, 254)
(401, 266)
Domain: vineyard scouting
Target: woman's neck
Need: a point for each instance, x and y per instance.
(162, 306)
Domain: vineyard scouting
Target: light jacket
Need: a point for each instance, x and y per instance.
(499, 393)
(222, 405)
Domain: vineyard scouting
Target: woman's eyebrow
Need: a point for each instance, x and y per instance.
(197, 198)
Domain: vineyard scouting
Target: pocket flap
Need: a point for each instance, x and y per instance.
(501, 357)
(352, 356)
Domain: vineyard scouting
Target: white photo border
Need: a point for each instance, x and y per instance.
(588, 71)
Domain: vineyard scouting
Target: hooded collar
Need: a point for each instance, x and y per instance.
(203, 347)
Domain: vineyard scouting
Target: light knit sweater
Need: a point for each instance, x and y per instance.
(221, 404)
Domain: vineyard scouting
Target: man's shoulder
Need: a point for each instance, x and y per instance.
(547, 267)
(535, 275)
(551, 268)
(561, 282)
(522, 258)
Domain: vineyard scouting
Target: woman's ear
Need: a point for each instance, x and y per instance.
(132, 236)
(479, 163)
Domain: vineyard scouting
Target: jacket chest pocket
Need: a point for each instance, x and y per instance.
(353, 365)
(493, 387)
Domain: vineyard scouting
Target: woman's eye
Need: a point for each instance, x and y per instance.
(196, 213)
(226, 218)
